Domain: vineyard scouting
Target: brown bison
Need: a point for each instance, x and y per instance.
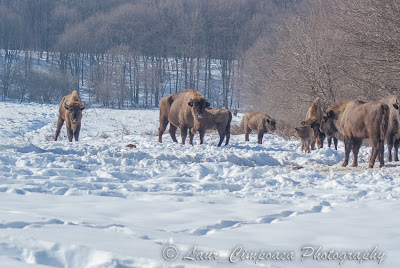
(70, 111)
(306, 134)
(165, 106)
(184, 108)
(260, 122)
(353, 121)
(219, 119)
(314, 119)
(393, 131)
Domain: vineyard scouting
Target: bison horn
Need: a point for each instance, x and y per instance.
(397, 101)
(66, 106)
(83, 105)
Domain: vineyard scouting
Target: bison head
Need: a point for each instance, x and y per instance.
(328, 125)
(199, 106)
(74, 111)
(269, 125)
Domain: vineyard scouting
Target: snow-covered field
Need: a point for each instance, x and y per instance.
(98, 203)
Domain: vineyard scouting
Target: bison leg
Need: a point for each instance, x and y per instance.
(347, 148)
(396, 150)
(202, 132)
(381, 153)
(60, 123)
(162, 127)
(191, 136)
(321, 138)
(313, 144)
(356, 148)
(374, 154)
(389, 140)
(172, 132)
(221, 133)
(335, 141)
(228, 136)
(246, 134)
(260, 135)
(76, 133)
(70, 134)
(184, 130)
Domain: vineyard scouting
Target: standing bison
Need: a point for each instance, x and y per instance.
(306, 134)
(70, 111)
(353, 121)
(165, 106)
(393, 131)
(219, 119)
(183, 108)
(259, 122)
(314, 119)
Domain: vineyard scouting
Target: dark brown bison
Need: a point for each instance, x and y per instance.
(165, 106)
(306, 134)
(314, 119)
(259, 122)
(219, 119)
(353, 121)
(185, 106)
(70, 111)
(393, 131)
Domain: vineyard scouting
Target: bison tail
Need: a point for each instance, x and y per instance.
(384, 122)
(228, 126)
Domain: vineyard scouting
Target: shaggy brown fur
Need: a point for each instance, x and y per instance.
(165, 106)
(259, 122)
(70, 111)
(313, 119)
(353, 121)
(393, 131)
(184, 108)
(219, 119)
(306, 134)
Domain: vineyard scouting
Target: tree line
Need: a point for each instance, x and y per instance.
(130, 52)
(335, 50)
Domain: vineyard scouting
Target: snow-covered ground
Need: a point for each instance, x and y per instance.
(98, 203)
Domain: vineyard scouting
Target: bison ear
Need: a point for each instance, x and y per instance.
(207, 104)
(83, 106)
(303, 123)
(66, 106)
(331, 113)
(395, 106)
(190, 103)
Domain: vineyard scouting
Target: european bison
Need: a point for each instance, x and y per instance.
(165, 106)
(70, 111)
(393, 131)
(353, 121)
(314, 120)
(260, 122)
(219, 119)
(306, 134)
(184, 108)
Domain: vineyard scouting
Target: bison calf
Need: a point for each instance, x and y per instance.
(306, 134)
(259, 122)
(70, 111)
(219, 119)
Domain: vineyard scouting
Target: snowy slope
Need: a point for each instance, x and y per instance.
(98, 203)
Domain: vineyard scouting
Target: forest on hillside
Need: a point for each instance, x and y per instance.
(269, 55)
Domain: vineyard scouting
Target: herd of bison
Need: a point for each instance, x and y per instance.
(349, 121)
